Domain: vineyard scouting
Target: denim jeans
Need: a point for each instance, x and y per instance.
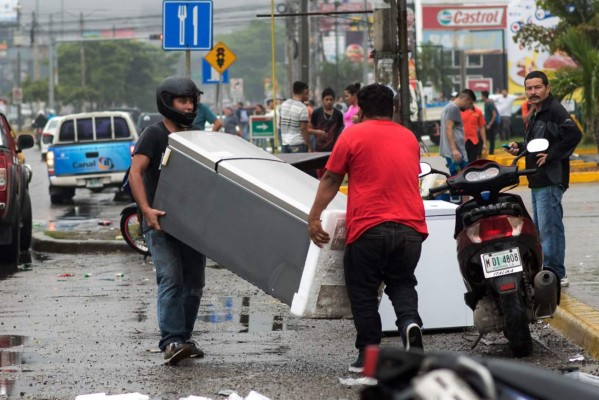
(548, 216)
(180, 278)
(387, 253)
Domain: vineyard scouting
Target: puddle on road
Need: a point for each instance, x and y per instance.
(238, 311)
(10, 361)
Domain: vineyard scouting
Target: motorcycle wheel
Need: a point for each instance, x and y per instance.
(132, 232)
(515, 320)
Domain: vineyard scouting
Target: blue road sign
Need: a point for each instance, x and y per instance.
(187, 25)
(210, 75)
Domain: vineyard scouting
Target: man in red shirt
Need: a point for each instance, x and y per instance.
(385, 218)
(474, 123)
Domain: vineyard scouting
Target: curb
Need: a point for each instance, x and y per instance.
(579, 323)
(41, 242)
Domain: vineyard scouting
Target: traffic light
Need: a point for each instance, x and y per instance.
(156, 36)
(220, 56)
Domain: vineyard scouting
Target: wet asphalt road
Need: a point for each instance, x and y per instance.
(86, 330)
(63, 333)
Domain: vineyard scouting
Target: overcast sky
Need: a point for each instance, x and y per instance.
(145, 15)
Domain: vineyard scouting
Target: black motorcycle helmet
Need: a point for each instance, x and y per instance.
(171, 88)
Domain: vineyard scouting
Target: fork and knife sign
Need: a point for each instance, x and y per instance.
(182, 15)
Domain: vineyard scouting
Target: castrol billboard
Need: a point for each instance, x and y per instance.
(461, 17)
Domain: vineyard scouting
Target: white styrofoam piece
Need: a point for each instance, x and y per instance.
(322, 293)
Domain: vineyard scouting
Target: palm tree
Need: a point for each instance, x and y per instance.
(584, 78)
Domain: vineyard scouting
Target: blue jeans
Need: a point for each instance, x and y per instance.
(389, 253)
(453, 167)
(180, 278)
(548, 216)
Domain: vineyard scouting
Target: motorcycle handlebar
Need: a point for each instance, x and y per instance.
(527, 171)
(438, 189)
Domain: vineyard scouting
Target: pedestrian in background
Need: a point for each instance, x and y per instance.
(203, 115)
(351, 99)
(243, 119)
(504, 103)
(327, 124)
(474, 132)
(549, 120)
(294, 121)
(491, 124)
(231, 123)
(452, 145)
(179, 268)
(385, 226)
(340, 104)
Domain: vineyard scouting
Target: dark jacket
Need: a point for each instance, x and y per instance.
(553, 123)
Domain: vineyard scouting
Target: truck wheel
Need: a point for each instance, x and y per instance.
(9, 253)
(60, 195)
(515, 320)
(27, 227)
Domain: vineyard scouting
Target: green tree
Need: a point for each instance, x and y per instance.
(116, 73)
(35, 90)
(431, 61)
(252, 46)
(339, 76)
(586, 78)
(582, 15)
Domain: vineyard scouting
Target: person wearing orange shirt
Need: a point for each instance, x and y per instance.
(474, 123)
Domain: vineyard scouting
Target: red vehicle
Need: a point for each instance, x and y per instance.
(15, 204)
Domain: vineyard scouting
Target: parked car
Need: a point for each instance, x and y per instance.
(15, 203)
(48, 133)
(146, 119)
(90, 150)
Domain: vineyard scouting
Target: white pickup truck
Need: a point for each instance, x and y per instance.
(89, 150)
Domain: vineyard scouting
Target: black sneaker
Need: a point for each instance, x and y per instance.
(175, 352)
(358, 365)
(196, 352)
(413, 337)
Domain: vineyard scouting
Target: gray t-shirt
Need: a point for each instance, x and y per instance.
(451, 112)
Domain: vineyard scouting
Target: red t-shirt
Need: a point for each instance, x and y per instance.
(382, 160)
(472, 120)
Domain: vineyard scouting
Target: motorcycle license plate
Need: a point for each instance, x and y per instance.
(501, 262)
(94, 183)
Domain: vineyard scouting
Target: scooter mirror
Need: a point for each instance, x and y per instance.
(425, 169)
(537, 145)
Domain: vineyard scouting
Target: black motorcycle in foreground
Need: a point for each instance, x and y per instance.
(405, 375)
(499, 252)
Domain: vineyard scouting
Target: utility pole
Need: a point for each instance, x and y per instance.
(365, 44)
(82, 53)
(402, 33)
(34, 47)
(290, 28)
(51, 69)
(305, 44)
(336, 48)
(385, 44)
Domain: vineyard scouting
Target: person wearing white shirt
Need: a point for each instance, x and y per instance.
(504, 103)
